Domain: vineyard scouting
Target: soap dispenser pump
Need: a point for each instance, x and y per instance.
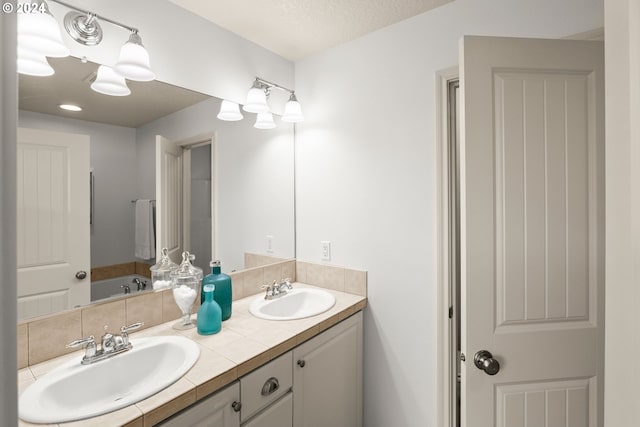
(223, 292)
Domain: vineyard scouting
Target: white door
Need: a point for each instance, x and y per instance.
(53, 222)
(169, 198)
(532, 231)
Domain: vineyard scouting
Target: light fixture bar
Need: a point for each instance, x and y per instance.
(100, 17)
(270, 85)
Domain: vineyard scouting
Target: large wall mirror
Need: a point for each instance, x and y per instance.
(241, 181)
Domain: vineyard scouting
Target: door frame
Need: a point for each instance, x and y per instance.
(445, 369)
(187, 144)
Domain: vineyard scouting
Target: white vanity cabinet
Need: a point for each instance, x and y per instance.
(327, 377)
(221, 409)
(317, 384)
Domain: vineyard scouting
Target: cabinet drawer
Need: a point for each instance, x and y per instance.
(279, 414)
(265, 385)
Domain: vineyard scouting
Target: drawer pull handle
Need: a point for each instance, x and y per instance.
(301, 363)
(236, 406)
(270, 386)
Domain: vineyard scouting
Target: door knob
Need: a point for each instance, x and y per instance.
(485, 362)
(81, 275)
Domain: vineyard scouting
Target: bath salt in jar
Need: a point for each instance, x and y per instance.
(185, 282)
(161, 271)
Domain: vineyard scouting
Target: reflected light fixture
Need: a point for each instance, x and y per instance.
(257, 103)
(264, 121)
(33, 64)
(108, 82)
(229, 111)
(292, 110)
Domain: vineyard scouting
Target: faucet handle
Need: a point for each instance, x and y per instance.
(131, 327)
(89, 351)
(81, 342)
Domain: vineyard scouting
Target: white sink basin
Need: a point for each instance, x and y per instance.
(73, 391)
(296, 304)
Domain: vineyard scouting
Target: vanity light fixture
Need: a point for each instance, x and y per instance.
(108, 82)
(229, 111)
(39, 34)
(264, 121)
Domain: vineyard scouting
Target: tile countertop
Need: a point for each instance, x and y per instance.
(245, 343)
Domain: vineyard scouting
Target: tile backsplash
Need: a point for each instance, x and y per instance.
(44, 338)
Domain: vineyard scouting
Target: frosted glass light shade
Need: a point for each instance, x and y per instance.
(33, 64)
(292, 111)
(256, 101)
(229, 111)
(133, 63)
(40, 33)
(264, 121)
(108, 82)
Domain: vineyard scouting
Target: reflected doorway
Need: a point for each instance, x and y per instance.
(200, 205)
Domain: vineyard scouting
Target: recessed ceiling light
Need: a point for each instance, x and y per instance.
(70, 107)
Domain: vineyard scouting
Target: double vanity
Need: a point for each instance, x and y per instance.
(292, 360)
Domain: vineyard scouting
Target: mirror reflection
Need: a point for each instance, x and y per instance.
(236, 202)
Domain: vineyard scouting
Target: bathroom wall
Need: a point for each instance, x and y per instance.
(366, 178)
(247, 208)
(113, 161)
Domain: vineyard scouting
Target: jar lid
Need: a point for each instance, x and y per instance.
(186, 270)
(164, 264)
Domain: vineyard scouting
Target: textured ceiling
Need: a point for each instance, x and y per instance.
(296, 28)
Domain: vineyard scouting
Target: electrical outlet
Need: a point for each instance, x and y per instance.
(326, 250)
(269, 244)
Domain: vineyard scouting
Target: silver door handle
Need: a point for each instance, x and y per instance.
(485, 362)
(81, 275)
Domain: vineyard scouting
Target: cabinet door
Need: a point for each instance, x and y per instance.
(327, 377)
(279, 414)
(214, 411)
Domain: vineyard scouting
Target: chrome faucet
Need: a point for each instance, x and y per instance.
(276, 290)
(110, 345)
(140, 284)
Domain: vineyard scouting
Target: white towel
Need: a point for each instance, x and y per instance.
(145, 238)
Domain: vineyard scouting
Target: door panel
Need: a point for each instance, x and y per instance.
(169, 198)
(532, 231)
(52, 221)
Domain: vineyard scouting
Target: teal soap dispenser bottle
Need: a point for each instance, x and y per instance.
(223, 294)
(209, 313)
